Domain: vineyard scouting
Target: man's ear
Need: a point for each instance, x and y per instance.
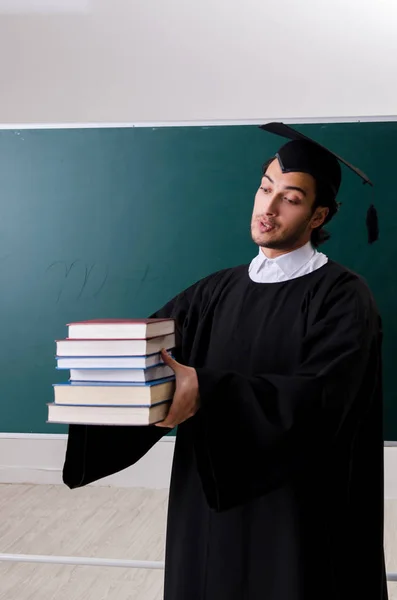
(319, 216)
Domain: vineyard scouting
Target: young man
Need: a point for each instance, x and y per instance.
(277, 481)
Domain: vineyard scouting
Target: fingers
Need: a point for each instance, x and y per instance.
(175, 417)
(165, 424)
(168, 423)
(168, 360)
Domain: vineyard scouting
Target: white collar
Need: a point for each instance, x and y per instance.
(291, 262)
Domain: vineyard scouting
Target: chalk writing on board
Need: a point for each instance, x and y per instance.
(87, 284)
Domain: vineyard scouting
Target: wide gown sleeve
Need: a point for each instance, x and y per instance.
(254, 434)
(96, 451)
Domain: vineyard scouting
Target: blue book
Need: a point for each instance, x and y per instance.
(107, 415)
(114, 393)
(122, 375)
(109, 362)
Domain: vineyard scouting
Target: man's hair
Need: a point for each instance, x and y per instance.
(324, 197)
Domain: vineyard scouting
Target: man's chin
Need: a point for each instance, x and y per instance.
(272, 245)
(268, 242)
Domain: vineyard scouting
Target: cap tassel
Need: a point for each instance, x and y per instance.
(372, 224)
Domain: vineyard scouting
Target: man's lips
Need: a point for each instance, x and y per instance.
(266, 226)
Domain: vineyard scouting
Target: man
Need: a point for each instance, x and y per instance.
(277, 482)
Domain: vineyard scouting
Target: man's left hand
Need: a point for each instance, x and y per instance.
(186, 400)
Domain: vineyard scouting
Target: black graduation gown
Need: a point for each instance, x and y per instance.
(277, 482)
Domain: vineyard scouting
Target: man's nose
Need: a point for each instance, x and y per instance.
(271, 205)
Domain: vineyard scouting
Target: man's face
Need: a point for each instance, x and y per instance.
(283, 216)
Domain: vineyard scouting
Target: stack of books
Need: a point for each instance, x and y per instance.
(117, 375)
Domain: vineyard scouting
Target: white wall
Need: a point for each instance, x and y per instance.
(132, 61)
(38, 458)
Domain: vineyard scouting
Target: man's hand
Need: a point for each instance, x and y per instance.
(186, 400)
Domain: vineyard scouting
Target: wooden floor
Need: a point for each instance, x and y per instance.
(93, 521)
(97, 522)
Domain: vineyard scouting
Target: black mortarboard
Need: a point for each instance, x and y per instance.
(307, 156)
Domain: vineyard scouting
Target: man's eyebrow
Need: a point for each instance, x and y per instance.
(288, 187)
(269, 178)
(296, 188)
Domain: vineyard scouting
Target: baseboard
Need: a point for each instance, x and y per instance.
(38, 459)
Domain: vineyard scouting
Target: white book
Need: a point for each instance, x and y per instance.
(122, 375)
(109, 362)
(71, 347)
(120, 328)
(107, 415)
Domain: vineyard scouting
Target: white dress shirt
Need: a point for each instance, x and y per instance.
(287, 266)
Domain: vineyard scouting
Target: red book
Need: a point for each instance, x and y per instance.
(117, 329)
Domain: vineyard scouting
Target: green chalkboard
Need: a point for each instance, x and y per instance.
(113, 222)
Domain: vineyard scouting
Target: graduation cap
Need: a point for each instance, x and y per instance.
(304, 155)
